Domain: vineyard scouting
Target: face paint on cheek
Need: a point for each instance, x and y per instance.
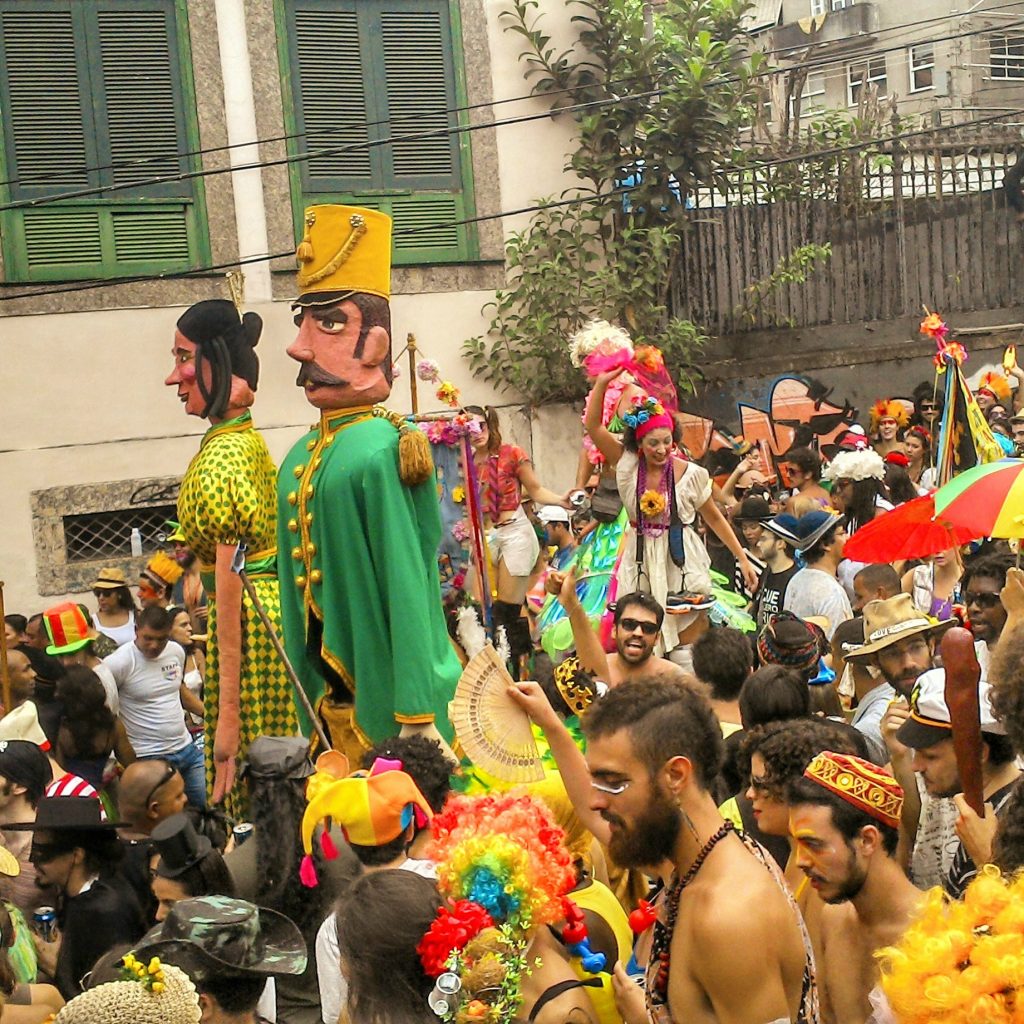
(187, 373)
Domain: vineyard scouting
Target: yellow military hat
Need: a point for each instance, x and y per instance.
(344, 249)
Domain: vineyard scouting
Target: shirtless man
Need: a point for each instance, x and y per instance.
(844, 815)
(638, 619)
(653, 750)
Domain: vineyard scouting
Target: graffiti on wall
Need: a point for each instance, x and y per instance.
(791, 403)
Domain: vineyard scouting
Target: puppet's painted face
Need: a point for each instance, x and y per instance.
(339, 370)
(185, 374)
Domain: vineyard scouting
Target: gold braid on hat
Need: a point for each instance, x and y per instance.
(304, 253)
(576, 694)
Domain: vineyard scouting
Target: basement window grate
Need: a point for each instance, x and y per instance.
(95, 535)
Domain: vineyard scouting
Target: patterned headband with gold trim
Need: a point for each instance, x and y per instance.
(574, 685)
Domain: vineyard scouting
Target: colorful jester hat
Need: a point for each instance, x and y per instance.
(372, 808)
(503, 869)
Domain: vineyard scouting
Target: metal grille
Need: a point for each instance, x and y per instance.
(108, 534)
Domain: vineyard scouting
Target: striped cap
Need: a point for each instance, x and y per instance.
(67, 628)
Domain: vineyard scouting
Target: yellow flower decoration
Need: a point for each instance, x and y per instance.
(652, 504)
(448, 393)
(459, 494)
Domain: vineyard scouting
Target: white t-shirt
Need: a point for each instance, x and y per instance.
(333, 990)
(106, 677)
(814, 592)
(150, 697)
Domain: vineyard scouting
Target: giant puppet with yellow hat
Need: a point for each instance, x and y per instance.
(358, 518)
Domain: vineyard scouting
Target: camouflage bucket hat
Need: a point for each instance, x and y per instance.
(229, 935)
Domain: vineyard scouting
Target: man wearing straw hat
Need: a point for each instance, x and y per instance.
(358, 519)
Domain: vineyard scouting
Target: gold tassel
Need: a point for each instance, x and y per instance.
(415, 462)
(304, 253)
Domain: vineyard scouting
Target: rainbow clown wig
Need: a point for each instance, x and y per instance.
(502, 869)
(961, 962)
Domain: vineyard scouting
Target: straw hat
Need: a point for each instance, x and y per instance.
(892, 620)
(109, 579)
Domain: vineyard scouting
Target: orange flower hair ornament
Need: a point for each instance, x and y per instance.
(888, 409)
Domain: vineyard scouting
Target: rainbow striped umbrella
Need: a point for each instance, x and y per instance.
(988, 500)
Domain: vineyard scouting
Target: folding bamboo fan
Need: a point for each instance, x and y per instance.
(494, 731)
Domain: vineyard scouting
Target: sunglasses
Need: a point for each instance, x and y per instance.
(41, 853)
(632, 625)
(169, 774)
(983, 599)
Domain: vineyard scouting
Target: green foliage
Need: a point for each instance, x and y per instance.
(669, 107)
(564, 272)
(762, 296)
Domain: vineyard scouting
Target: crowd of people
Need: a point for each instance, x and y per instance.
(752, 773)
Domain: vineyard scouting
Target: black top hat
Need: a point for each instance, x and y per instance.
(68, 813)
(179, 844)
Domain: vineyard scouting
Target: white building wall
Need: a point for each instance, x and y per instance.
(84, 398)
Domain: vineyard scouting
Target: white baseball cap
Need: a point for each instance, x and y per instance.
(929, 722)
(553, 514)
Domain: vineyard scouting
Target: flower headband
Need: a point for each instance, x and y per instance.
(645, 415)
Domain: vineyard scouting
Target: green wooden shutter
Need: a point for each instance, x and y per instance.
(331, 100)
(41, 88)
(141, 97)
(375, 70)
(109, 75)
(419, 88)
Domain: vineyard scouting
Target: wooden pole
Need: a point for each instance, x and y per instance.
(5, 678)
(410, 344)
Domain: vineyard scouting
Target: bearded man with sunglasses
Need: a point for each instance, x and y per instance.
(637, 624)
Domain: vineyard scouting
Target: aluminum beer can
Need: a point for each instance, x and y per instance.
(44, 921)
(242, 832)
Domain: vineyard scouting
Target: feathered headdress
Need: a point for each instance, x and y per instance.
(996, 384)
(888, 409)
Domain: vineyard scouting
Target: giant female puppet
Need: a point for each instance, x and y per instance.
(227, 497)
(358, 518)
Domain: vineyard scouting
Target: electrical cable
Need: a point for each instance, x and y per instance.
(436, 133)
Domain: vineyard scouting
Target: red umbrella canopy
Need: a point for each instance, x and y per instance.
(911, 530)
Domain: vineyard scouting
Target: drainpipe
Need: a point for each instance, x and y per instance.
(240, 113)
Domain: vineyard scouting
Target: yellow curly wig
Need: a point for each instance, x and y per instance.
(961, 963)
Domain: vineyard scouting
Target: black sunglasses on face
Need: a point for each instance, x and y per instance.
(632, 625)
(984, 599)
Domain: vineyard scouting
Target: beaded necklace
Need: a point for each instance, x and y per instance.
(661, 942)
(654, 526)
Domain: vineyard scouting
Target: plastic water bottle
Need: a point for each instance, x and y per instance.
(136, 543)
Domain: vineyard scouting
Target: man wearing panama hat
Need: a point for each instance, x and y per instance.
(358, 522)
(77, 852)
(898, 643)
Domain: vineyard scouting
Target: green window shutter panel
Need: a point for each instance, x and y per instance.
(147, 235)
(418, 76)
(423, 226)
(62, 236)
(43, 104)
(331, 97)
(138, 64)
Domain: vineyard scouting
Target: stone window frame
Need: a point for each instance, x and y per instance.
(487, 273)
(54, 574)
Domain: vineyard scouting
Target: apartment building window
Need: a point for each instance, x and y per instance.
(921, 61)
(824, 6)
(363, 74)
(839, 5)
(97, 93)
(1006, 56)
(866, 72)
(812, 96)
